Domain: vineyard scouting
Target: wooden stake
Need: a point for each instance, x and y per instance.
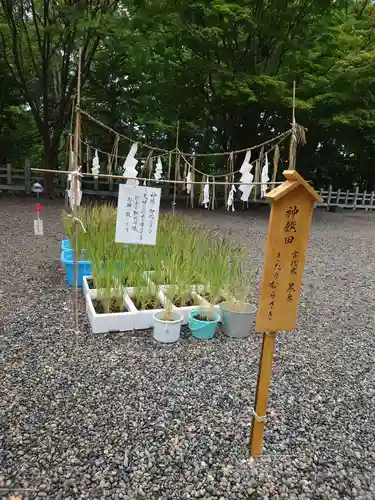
(284, 259)
(261, 398)
(75, 180)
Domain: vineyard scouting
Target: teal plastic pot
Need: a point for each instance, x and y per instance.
(203, 330)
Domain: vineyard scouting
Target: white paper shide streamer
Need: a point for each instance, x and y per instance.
(71, 193)
(95, 165)
(245, 167)
(264, 178)
(129, 166)
(158, 170)
(246, 178)
(230, 202)
(206, 195)
(188, 182)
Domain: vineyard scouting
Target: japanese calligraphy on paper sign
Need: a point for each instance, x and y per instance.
(137, 214)
(288, 232)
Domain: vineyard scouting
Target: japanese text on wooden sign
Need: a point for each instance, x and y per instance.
(287, 240)
(137, 214)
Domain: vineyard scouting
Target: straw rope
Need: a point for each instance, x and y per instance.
(189, 155)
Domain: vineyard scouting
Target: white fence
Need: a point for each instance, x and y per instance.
(21, 180)
(347, 199)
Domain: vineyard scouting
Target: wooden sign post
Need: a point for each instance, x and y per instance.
(288, 233)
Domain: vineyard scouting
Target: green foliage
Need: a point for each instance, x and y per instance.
(39, 42)
(224, 69)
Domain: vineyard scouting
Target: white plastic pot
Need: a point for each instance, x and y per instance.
(167, 332)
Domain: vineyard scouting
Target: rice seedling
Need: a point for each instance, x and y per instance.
(145, 297)
(184, 256)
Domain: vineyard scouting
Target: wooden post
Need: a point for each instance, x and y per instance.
(288, 232)
(110, 171)
(27, 177)
(261, 397)
(293, 136)
(364, 198)
(176, 168)
(192, 185)
(9, 174)
(372, 200)
(338, 195)
(347, 197)
(329, 195)
(75, 180)
(355, 198)
(276, 157)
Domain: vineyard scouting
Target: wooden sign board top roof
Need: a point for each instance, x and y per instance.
(293, 181)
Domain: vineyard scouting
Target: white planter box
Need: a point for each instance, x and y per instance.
(112, 322)
(145, 319)
(85, 287)
(133, 319)
(93, 292)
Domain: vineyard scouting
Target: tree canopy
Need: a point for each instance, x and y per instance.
(223, 69)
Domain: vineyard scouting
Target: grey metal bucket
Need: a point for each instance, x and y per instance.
(238, 324)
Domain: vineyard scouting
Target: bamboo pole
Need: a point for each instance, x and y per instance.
(293, 137)
(75, 180)
(192, 184)
(276, 157)
(176, 168)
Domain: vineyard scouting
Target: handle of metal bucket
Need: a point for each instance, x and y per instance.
(198, 328)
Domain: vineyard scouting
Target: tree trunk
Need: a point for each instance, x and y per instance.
(50, 163)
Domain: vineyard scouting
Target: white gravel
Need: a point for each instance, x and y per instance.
(117, 416)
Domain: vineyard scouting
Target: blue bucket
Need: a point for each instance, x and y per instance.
(203, 330)
(65, 245)
(84, 267)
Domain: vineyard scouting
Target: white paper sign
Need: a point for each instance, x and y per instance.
(137, 214)
(38, 227)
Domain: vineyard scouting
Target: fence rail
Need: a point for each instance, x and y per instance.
(22, 180)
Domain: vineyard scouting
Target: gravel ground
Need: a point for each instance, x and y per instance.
(117, 416)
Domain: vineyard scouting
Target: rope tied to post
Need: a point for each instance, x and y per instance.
(77, 219)
(258, 418)
(271, 334)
